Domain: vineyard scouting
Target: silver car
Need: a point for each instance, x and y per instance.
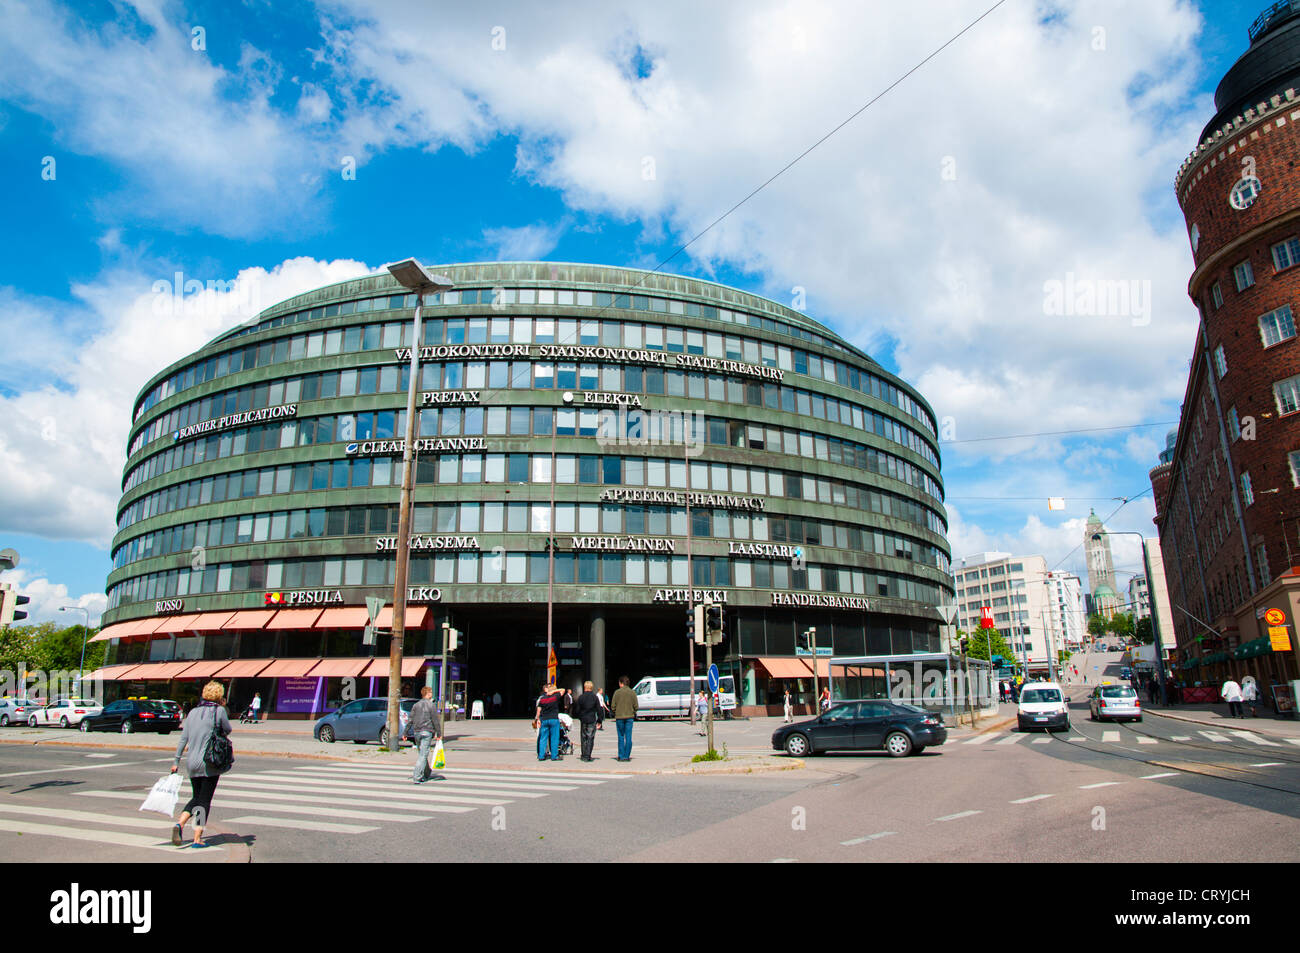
(1114, 702)
(17, 711)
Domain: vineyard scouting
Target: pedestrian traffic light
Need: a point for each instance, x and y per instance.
(965, 645)
(713, 618)
(697, 624)
(9, 601)
(801, 641)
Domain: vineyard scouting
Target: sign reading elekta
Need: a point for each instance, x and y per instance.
(583, 352)
(236, 420)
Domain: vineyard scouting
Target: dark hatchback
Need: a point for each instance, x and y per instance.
(128, 715)
(864, 726)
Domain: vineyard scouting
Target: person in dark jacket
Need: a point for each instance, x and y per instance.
(198, 728)
(547, 723)
(590, 713)
(424, 728)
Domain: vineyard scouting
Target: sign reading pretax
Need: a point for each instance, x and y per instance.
(1275, 617)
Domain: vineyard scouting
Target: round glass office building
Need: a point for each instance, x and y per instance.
(598, 448)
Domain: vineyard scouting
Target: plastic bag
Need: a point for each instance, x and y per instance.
(437, 758)
(163, 797)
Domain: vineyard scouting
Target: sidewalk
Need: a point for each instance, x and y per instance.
(1211, 715)
(658, 747)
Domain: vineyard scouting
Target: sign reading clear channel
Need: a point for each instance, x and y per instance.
(386, 448)
(583, 352)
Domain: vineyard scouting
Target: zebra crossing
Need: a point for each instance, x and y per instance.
(341, 798)
(1115, 737)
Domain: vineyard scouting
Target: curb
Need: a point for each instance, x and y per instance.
(1214, 724)
(760, 766)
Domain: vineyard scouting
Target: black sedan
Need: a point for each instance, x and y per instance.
(127, 715)
(863, 726)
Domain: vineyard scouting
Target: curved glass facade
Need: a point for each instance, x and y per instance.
(680, 441)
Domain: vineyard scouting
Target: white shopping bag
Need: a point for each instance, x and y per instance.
(163, 797)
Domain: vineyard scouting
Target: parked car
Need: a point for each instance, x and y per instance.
(132, 714)
(16, 711)
(363, 720)
(174, 707)
(1043, 705)
(65, 712)
(1114, 702)
(863, 726)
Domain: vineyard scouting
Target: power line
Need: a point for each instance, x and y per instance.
(1062, 433)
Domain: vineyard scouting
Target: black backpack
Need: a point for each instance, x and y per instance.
(218, 753)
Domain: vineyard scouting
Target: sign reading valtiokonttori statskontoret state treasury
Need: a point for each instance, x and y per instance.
(592, 352)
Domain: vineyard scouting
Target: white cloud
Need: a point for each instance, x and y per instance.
(525, 243)
(63, 450)
(48, 597)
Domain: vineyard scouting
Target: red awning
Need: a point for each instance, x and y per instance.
(209, 621)
(416, 617)
(378, 668)
(206, 669)
(289, 668)
(294, 619)
(249, 619)
(243, 668)
(164, 671)
(119, 673)
(176, 624)
(786, 667)
(823, 668)
(354, 618)
(113, 631)
(340, 667)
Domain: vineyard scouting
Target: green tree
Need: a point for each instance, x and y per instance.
(983, 643)
(1143, 632)
(1096, 626)
(48, 648)
(1121, 624)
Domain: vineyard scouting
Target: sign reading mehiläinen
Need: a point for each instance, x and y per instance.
(624, 544)
(388, 544)
(585, 352)
(237, 420)
(818, 600)
(679, 498)
(386, 448)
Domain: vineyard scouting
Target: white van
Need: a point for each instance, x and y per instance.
(1043, 705)
(669, 696)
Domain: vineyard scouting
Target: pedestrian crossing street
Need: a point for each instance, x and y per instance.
(335, 798)
(1114, 736)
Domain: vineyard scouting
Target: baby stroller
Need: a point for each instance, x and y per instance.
(566, 746)
(249, 717)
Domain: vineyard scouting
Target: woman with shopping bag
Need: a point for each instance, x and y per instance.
(206, 734)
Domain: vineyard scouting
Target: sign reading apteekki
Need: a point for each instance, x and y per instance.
(715, 596)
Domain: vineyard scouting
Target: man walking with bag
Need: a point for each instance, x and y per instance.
(590, 714)
(424, 727)
(625, 706)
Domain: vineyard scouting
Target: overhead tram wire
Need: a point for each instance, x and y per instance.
(789, 165)
(1064, 433)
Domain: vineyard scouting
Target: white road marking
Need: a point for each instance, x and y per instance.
(1269, 764)
(1164, 774)
(784, 860)
(1181, 738)
(981, 739)
(428, 795)
(116, 838)
(157, 824)
(1214, 736)
(314, 810)
(80, 767)
(954, 817)
(457, 778)
(869, 837)
(1256, 739)
(1144, 740)
(259, 797)
(1036, 797)
(1294, 741)
(1110, 736)
(1102, 784)
(101, 756)
(301, 825)
(309, 783)
(1010, 739)
(540, 774)
(1043, 741)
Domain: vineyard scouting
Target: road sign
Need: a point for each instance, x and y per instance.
(1279, 637)
(374, 605)
(947, 612)
(1275, 617)
(713, 679)
(986, 617)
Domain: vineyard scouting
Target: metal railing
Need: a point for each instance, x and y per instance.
(1282, 10)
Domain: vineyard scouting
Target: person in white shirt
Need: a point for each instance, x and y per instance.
(1250, 694)
(1231, 693)
(789, 707)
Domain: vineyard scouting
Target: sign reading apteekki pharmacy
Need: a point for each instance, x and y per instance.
(818, 600)
(585, 352)
(681, 498)
(716, 596)
(236, 420)
(388, 544)
(386, 448)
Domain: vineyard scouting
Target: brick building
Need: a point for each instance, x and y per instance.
(1226, 497)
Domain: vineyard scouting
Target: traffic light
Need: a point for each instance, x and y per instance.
(965, 645)
(695, 624)
(450, 636)
(801, 641)
(9, 601)
(713, 618)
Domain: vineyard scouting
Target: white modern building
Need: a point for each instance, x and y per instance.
(1016, 591)
(1139, 598)
(1066, 617)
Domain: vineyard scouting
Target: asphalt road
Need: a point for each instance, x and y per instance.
(1157, 791)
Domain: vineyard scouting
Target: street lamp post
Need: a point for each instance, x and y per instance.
(1155, 613)
(410, 274)
(85, 633)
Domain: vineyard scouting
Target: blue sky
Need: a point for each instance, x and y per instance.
(1042, 144)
